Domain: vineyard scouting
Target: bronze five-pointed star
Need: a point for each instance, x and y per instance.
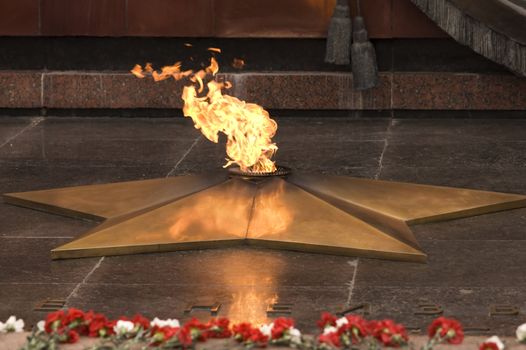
(312, 213)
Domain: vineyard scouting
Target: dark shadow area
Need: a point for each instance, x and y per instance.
(121, 54)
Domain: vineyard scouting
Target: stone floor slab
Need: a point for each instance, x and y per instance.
(494, 154)
(218, 268)
(19, 178)
(22, 222)
(487, 178)
(104, 142)
(10, 127)
(457, 131)
(27, 260)
(464, 263)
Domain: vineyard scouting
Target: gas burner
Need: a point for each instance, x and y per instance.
(280, 171)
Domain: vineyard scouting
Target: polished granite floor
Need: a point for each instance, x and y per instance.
(475, 264)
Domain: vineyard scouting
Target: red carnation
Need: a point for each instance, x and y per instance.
(74, 315)
(54, 321)
(73, 337)
(196, 328)
(141, 321)
(76, 319)
(163, 334)
(219, 328)
(185, 337)
(327, 319)
(332, 339)
(489, 346)
(257, 338)
(281, 324)
(242, 331)
(68, 335)
(389, 333)
(357, 326)
(99, 325)
(448, 329)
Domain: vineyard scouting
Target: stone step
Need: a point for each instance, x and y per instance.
(311, 90)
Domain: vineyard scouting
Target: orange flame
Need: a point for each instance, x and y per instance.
(214, 49)
(247, 126)
(238, 63)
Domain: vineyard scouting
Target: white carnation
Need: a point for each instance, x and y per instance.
(163, 323)
(266, 329)
(496, 340)
(41, 326)
(330, 329)
(521, 333)
(295, 335)
(123, 327)
(341, 321)
(12, 325)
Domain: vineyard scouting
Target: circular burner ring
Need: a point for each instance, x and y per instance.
(280, 171)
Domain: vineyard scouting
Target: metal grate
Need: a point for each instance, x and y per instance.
(213, 309)
(280, 171)
(50, 305)
(279, 309)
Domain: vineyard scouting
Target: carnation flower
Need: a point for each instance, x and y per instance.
(330, 329)
(327, 319)
(198, 330)
(492, 343)
(488, 346)
(54, 321)
(139, 322)
(281, 332)
(521, 333)
(355, 328)
(12, 325)
(75, 319)
(66, 335)
(41, 326)
(341, 321)
(242, 331)
(123, 327)
(447, 328)
(99, 325)
(163, 323)
(266, 329)
(163, 334)
(389, 333)
(71, 337)
(73, 316)
(250, 336)
(331, 338)
(185, 337)
(295, 335)
(219, 328)
(281, 325)
(257, 338)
